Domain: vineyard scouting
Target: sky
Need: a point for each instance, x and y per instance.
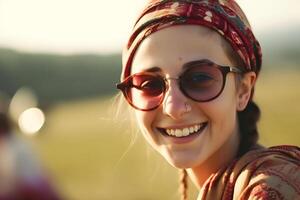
(103, 26)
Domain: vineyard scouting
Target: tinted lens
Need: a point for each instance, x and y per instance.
(202, 82)
(146, 91)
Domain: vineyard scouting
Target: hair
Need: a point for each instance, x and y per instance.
(249, 117)
(5, 121)
(183, 184)
(5, 124)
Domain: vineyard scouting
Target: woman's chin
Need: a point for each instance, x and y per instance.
(180, 162)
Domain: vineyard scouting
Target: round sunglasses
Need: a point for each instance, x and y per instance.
(201, 82)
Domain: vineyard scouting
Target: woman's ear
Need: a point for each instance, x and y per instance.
(244, 89)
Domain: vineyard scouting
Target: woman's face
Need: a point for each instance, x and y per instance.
(169, 49)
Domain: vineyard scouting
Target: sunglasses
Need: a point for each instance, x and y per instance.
(201, 82)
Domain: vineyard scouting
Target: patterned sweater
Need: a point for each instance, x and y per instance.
(261, 174)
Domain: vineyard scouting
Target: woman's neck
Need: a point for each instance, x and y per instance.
(220, 159)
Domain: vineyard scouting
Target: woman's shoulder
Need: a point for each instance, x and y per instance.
(268, 173)
(260, 157)
(261, 173)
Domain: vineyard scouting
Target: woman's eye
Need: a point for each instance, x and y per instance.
(151, 88)
(201, 78)
(150, 84)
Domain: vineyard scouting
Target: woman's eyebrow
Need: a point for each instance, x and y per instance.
(192, 63)
(184, 66)
(153, 69)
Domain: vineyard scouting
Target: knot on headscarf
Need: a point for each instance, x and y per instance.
(223, 16)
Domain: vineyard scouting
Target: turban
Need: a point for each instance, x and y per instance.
(223, 16)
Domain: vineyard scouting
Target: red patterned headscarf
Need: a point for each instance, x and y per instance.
(224, 16)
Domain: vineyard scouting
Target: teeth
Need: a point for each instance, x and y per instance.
(191, 129)
(178, 133)
(183, 132)
(172, 132)
(168, 131)
(186, 132)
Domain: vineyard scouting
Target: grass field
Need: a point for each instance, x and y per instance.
(89, 156)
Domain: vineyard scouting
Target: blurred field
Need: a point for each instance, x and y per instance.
(90, 157)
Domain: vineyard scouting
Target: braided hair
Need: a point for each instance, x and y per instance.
(183, 184)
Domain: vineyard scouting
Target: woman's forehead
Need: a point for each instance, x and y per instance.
(174, 46)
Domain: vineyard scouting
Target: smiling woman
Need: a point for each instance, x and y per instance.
(189, 70)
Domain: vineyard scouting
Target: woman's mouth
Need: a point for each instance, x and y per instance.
(183, 132)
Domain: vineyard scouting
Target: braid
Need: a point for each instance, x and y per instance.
(248, 119)
(183, 184)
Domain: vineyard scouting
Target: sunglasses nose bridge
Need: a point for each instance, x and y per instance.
(174, 102)
(168, 80)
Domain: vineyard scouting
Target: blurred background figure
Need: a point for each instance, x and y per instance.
(21, 175)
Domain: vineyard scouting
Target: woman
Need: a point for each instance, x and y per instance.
(189, 71)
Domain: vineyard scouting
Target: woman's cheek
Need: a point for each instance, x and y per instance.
(220, 113)
(145, 122)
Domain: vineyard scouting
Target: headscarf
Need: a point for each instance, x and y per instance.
(223, 16)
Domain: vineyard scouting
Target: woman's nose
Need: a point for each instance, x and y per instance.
(175, 103)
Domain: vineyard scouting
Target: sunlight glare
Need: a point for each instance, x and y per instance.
(31, 121)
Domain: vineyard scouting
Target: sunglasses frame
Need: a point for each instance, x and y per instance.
(126, 84)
